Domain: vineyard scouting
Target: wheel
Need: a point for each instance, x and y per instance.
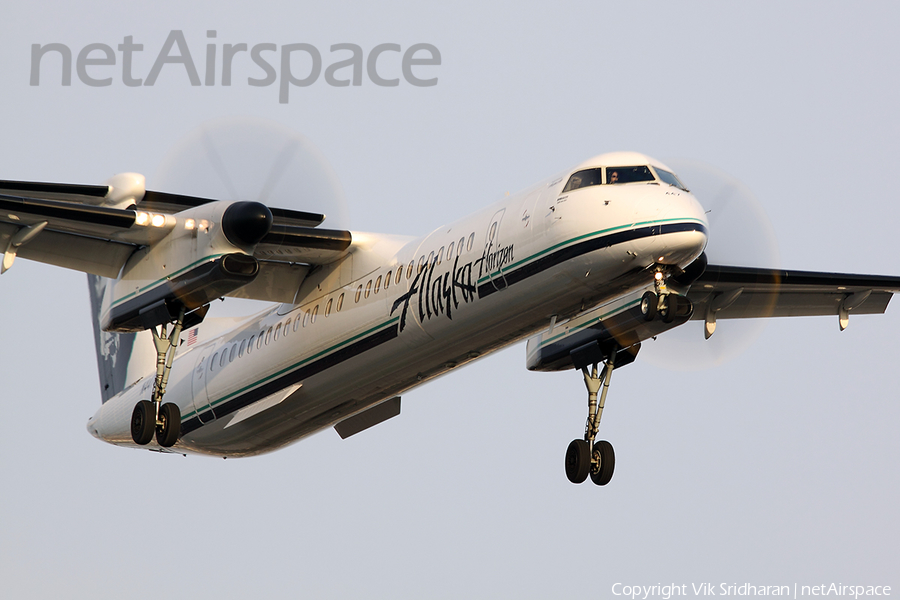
(170, 425)
(143, 422)
(604, 462)
(649, 303)
(578, 461)
(670, 307)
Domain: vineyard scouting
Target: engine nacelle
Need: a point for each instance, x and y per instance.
(207, 253)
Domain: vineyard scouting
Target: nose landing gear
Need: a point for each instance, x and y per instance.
(586, 457)
(665, 303)
(667, 306)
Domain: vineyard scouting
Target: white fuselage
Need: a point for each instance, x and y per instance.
(396, 312)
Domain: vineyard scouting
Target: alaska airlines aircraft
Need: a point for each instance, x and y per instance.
(585, 266)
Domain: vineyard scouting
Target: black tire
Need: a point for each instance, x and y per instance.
(670, 307)
(143, 422)
(649, 305)
(605, 462)
(578, 461)
(169, 429)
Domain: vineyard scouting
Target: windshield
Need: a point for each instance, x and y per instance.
(628, 174)
(670, 178)
(584, 178)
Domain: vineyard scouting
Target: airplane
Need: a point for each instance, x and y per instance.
(585, 266)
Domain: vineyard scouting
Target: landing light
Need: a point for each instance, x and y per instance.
(142, 218)
(189, 224)
(658, 275)
(158, 220)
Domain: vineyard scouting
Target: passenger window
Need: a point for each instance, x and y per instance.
(410, 269)
(268, 336)
(287, 327)
(450, 251)
(312, 317)
(440, 257)
(328, 308)
(358, 292)
(421, 264)
(305, 318)
(340, 302)
(241, 350)
(250, 345)
(462, 244)
(378, 284)
(399, 275)
(387, 280)
(297, 322)
(259, 341)
(471, 241)
(277, 332)
(212, 361)
(222, 359)
(368, 288)
(232, 353)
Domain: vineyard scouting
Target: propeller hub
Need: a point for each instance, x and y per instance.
(246, 223)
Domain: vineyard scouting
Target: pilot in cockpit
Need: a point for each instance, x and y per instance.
(614, 177)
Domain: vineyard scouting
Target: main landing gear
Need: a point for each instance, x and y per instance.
(597, 459)
(152, 416)
(586, 457)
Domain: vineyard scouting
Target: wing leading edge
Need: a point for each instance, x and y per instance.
(96, 229)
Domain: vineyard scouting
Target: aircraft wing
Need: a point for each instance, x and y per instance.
(96, 229)
(724, 292)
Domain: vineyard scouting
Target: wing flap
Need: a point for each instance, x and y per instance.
(276, 282)
(89, 194)
(88, 255)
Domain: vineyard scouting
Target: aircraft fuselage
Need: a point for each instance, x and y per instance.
(396, 312)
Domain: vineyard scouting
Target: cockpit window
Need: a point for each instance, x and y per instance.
(628, 174)
(670, 178)
(584, 178)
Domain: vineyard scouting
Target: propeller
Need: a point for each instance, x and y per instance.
(259, 163)
(740, 234)
(252, 159)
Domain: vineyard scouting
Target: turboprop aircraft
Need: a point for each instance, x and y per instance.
(586, 265)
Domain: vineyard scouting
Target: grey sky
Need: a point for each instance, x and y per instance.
(778, 467)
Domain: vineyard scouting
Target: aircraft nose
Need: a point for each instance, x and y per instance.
(92, 427)
(684, 230)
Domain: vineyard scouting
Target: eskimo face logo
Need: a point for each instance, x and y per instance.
(299, 64)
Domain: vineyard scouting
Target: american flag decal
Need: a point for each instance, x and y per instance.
(192, 336)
